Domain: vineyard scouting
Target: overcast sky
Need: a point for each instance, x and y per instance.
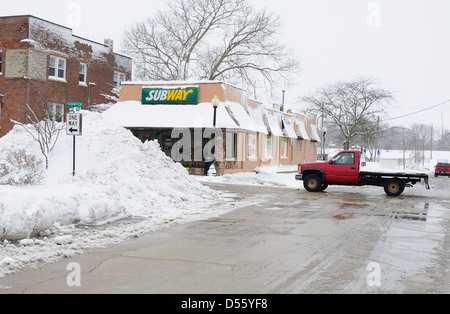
(405, 44)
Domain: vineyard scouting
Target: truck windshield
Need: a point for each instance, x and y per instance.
(347, 158)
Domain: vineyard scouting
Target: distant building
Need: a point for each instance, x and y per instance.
(180, 116)
(43, 66)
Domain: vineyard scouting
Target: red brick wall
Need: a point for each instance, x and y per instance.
(52, 39)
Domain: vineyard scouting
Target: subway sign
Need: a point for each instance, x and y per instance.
(161, 96)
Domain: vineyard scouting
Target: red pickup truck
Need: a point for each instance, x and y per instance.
(442, 168)
(345, 169)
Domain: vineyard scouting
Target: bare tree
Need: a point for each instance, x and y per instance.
(45, 131)
(210, 40)
(354, 106)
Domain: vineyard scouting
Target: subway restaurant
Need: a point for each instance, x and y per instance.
(200, 124)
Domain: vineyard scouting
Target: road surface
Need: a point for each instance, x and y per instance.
(285, 241)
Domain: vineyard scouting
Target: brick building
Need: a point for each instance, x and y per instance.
(43, 66)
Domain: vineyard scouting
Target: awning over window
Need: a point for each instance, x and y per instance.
(132, 114)
(257, 116)
(301, 131)
(314, 135)
(289, 129)
(274, 126)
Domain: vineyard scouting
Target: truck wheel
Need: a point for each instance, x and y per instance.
(312, 183)
(323, 187)
(394, 187)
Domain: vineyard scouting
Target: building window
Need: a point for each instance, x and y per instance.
(284, 148)
(313, 147)
(252, 146)
(268, 147)
(230, 145)
(299, 145)
(56, 112)
(1, 61)
(57, 68)
(118, 78)
(83, 74)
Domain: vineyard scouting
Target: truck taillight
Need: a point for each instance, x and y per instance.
(299, 167)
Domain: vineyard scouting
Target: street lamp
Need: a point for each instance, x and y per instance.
(215, 103)
(324, 138)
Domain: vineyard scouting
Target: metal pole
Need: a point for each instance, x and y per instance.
(74, 155)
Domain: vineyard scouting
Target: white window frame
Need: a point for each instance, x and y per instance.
(118, 78)
(57, 68)
(1, 61)
(313, 147)
(83, 66)
(56, 112)
(299, 145)
(230, 146)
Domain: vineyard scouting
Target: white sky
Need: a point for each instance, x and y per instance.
(405, 44)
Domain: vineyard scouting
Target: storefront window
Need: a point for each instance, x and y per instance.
(299, 145)
(230, 146)
(284, 147)
(251, 146)
(268, 147)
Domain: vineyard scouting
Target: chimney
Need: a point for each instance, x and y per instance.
(110, 44)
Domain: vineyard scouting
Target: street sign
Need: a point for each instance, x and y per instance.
(74, 106)
(74, 125)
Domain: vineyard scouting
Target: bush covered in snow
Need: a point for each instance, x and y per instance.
(19, 167)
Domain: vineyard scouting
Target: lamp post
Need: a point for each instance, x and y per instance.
(215, 102)
(324, 138)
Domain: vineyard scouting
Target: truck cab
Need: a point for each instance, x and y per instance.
(342, 168)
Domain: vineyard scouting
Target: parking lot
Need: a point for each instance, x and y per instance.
(278, 241)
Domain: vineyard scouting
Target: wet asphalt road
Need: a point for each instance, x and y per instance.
(281, 241)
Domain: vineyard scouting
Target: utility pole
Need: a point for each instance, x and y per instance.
(431, 157)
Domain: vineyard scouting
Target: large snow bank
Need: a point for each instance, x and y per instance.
(117, 177)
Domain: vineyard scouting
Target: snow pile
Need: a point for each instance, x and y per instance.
(117, 177)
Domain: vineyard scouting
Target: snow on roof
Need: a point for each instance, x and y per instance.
(132, 114)
(39, 33)
(273, 125)
(314, 134)
(257, 116)
(289, 128)
(301, 130)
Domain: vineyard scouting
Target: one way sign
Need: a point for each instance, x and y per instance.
(74, 124)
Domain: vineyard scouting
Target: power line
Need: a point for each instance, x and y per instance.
(426, 109)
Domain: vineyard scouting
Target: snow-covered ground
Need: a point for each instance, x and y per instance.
(118, 178)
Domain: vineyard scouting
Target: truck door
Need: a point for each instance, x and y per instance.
(343, 168)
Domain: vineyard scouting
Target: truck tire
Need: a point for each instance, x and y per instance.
(323, 187)
(394, 187)
(312, 183)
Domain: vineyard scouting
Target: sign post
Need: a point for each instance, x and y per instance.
(74, 125)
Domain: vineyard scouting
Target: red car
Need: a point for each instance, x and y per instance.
(442, 169)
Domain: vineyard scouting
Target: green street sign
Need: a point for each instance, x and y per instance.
(175, 96)
(74, 104)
